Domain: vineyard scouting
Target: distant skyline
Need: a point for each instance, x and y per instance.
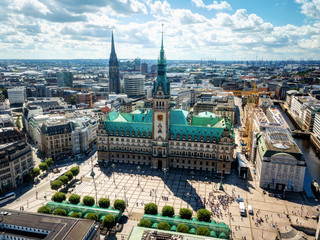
(193, 29)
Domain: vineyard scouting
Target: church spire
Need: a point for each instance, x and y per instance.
(113, 51)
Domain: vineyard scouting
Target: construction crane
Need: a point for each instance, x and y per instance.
(252, 100)
(91, 105)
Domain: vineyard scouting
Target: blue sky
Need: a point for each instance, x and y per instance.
(193, 29)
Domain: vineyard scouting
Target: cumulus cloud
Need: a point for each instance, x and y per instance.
(215, 5)
(77, 29)
(311, 8)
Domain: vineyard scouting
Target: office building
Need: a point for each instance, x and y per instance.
(134, 85)
(65, 79)
(26, 225)
(15, 161)
(279, 162)
(17, 95)
(144, 68)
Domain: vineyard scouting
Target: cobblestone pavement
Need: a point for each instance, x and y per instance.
(182, 189)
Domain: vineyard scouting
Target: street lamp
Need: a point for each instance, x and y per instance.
(138, 168)
(114, 180)
(92, 174)
(188, 197)
(192, 175)
(165, 171)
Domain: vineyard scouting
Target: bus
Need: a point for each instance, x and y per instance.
(7, 197)
(59, 175)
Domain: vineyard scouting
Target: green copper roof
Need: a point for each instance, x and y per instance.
(178, 117)
(205, 121)
(162, 78)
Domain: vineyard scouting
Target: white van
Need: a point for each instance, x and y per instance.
(242, 208)
(250, 210)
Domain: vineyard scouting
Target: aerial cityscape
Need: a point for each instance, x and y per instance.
(153, 120)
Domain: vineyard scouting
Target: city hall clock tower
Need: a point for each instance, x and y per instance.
(161, 115)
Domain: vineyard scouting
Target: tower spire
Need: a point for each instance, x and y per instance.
(112, 44)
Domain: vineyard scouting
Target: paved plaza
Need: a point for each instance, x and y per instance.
(182, 189)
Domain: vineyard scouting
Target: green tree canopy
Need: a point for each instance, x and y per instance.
(75, 215)
(49, 162)
(145, 223)
(163, 226)
(73, 99)
(119, 204)
(18, 123)
(185, 213)
(203, 231)
(92, 216)
(203, 215)
(58, 197)
(69, 175)
(74, 199)
(55, 185)
(60, 211)
(151, 208)
(64, 179)
(43, 166)
(108, 222)
(104, 202)
(182, 228)
(75, 171)
(168, 211)
(36, 172)
(88, 201)
(44, 209)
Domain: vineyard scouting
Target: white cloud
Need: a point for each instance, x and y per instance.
(76, 29)
(310, 8)
(215, 5)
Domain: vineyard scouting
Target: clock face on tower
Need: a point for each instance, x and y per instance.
(160, 117)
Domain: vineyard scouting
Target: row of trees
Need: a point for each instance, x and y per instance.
(44, 166)
(107, 222)
(184, 213)
(89, 201)
(65, 179)
(203, 231)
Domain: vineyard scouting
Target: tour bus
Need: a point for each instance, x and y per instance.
(7, 197)
(242, 209)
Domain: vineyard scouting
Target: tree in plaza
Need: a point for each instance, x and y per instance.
(88, 201)
(55, 185)
(49, 162)
(203, 231)
(203, 215)
(64, 179)
(74, 198)
(60, 211)
(185, 213)
(58, 197)
(75, 215)
(36, 172)
(73, 99)
(43, 166)
(75, 171)
(104, 202)
(108, 222)
(168, 211)
(69, 175)
(44, 209)
(18, 123)
(183, 228)
(27, 177)
(151, 208)
(5, 92)
(119, 204)
(92, 216)
(163, 226)
(145, 223)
